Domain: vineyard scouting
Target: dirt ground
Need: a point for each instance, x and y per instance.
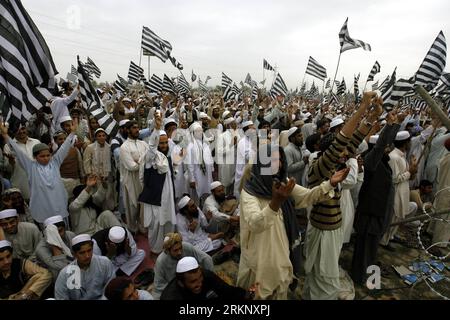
(392, 286)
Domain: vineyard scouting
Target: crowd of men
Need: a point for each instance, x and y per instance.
(206, 180)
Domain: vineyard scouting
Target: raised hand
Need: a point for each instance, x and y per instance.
(339, 176)
(91, 180)
(281, 192)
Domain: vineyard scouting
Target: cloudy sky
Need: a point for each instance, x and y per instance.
(235, 36)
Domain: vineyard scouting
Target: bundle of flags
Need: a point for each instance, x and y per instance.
(27, 70)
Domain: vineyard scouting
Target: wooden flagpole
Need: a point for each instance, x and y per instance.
(140, 57)
(335, 74)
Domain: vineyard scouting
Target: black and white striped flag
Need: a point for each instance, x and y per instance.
(93, 68)
(383, 85)
(375, 69)
(400, 88)
(156, 84)
(155, 46)
(267, 66)
(248, 80)
(279, 88)
(73, 71)
(168, 85)
(356, 88)
(313, 92)
(347, 43)
(183, 85)
(375, 86)
(419, 104)
(228, 93)
(27, 71)
(193, 76)
(93, 104)
(433, 65)
(135, 72)
(254, 93)
(315, 69)
(387, 90)
(328, 84)
(341, 88)
(303, 88)
(119, 86)
(202, 87)
(226, 80)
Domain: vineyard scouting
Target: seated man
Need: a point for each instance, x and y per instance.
(87, 276)
(122, 288)
(53, 251)
(175, 249)
(422, 195)
(192, 224)
(20, 279)
(13, 199)
(118, 245)
(194, 283)
(226, 221)
(24, 236)
(86, 212)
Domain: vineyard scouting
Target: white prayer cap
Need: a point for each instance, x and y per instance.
(4, 244)
(238, 120)
(336, 122)
(116, 234)
(99, 130)
(53, 220)
(153, 94)
(362, 147)
(195, 126)
(225, 114)
(65, 118)
(123, 122)
(187, 264)
(126, 99)
(329, 116)
(162, 133)
(203, 115)
(247, 123)
(291, 131)
(183, 202)
(402, 135)
(373, 139)
(81, 238)
(237, 113)
(229, 120)
(383, 122)
(260, 108)
(215, 185)
(169, 120)
(8, 213)
(307, 115)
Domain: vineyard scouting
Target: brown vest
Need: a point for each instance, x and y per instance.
(69, 168)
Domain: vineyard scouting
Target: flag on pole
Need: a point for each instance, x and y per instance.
(153, 45)
(315, 69)
(267, 66)
(347, 43)
(156, 84)
(193, 76)
(168, 85)
(93, 67)
(375, 69)
(226, 80)
(135, 72)
(279, 87)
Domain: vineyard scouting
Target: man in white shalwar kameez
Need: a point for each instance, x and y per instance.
(402, 172)
(199, 162)
(245, 154)
(347, 206)
(132, 159)
(191, 224)
(226, 154)
(157, 197)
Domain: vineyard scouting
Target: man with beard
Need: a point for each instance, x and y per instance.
(12, 199)
(175, 249)
(376, 199)
(295, 160)
(24, 236)
(158, 194)
(213, 204)
(245, 154)
(192, 225)
(132, 159)
(193, 283)
(118, 245)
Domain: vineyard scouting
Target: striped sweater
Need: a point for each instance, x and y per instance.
(326, 215)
